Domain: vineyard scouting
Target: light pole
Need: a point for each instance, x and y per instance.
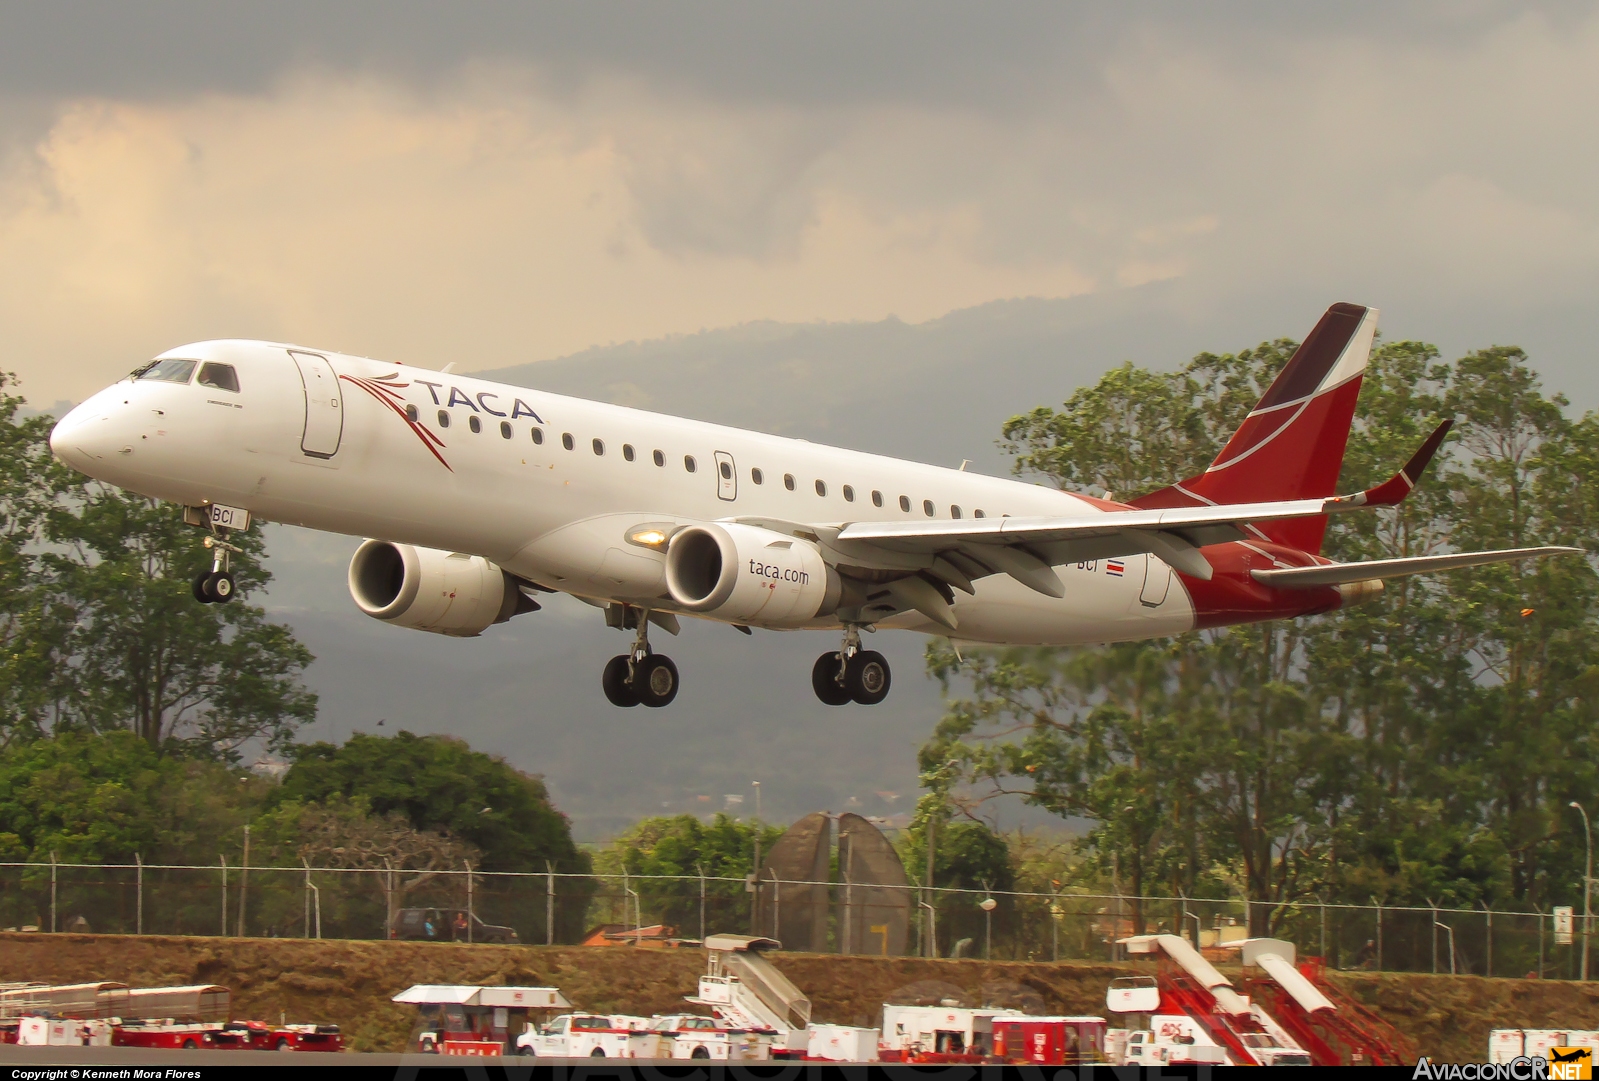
(988, 904)
(1587, 887)
(757, 785)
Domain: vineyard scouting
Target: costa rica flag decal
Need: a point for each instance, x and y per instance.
(1115, 568)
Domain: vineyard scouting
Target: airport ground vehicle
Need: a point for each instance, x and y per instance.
(693, 1036)
(590, 1035)
(458, 1019)
(1051, 1041)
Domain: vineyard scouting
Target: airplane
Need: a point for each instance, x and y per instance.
(475, 498)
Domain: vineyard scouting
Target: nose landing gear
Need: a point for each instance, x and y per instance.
(639, 676)
(852, 674)
(216, 586)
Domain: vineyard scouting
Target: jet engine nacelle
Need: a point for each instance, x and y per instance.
(429, 590)
(745, 574)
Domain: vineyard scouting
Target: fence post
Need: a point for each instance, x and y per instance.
(244, 879)
(700, 867)
(1054, 928)
(1434, 929)
(1378, 906)
(224, 861)
(470, 911)
(1323, 905)
(1488, 953)
(306, 919)
(138, 862)
(549, 903)
(52, 892)
(1540, 940)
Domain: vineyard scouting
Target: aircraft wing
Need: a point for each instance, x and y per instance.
(1028, 548)
(1333, 574)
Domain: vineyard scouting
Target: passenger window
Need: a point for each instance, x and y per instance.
(627, 452)
(954, 511)
(505, 429)
(978, 513)
(905, 503)
(538, 435)
(411, 414)
(849, 494)
(475, 424)
(788, 481)
(168, 371)
(566, 440)
(757, 476)
(221, 376)
(927, 507)
(444, 418)
(660, 459)
(689, 463)
(727, 471)
(877, 498)
(821, 488)
(599, 446)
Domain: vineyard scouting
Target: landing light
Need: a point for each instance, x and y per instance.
(650, 536)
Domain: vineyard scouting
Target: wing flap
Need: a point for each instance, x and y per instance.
(1344, 573)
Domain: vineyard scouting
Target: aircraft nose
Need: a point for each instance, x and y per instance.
(84, 437)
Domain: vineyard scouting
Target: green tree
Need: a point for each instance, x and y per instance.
(681, 848)
(144, 655)
(32, 629)
(438, 783)
(1420, 747)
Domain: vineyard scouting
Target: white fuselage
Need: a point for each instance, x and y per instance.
(549, 514)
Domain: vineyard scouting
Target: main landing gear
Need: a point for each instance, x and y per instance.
(216, 585)
(640, 677)
(852, 674)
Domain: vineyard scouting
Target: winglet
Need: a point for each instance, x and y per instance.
(1393, 490)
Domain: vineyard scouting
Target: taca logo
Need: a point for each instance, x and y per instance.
(779, 574)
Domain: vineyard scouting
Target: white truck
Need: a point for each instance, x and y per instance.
(588, 1035)
(694, 1036)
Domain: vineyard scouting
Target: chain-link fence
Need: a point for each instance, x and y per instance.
(320, 902)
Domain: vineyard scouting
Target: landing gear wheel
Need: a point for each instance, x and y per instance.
(598, 1052)
(824, 681)
(867, 678)
(700, 1052)
(221, 586)
(201, 586)
(655, 680)
(617, 690)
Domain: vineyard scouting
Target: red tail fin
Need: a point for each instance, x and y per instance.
(1291, 446)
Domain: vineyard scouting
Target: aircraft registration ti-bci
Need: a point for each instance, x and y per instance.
(478, 497)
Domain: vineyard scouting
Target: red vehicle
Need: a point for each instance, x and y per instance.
(165, 1035)
(1050, 1041)
(260, 1036)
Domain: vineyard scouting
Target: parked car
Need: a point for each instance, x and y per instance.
(446, 925)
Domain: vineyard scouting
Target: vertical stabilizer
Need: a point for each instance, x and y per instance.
(1291, 446)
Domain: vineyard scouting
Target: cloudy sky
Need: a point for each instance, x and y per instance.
(506, 183)
(499, 184)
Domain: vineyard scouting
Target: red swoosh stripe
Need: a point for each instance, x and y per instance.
(381, 390)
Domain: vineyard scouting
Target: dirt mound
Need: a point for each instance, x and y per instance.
(350, 983)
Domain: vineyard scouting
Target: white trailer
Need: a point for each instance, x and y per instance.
(842, 1043)
(938, 1033)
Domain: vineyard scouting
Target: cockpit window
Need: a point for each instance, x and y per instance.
(169, 371)
(221, 376)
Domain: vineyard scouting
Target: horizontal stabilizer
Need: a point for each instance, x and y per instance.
(1334, 574)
